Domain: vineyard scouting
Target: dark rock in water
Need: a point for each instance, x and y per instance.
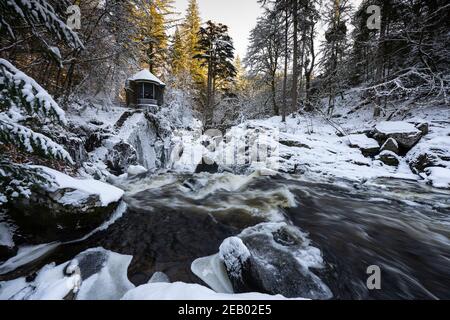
(390, 145)
(45, 216)
(389, 158)
(265, 261)
(208, 166)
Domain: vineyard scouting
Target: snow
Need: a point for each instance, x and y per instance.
(187, 291)
(31, 90)
(146, 75)
(233, 253)
(136, 170)
(107, 193)
(362, 141)
(391, 127)
(439, 177)
(111, 283)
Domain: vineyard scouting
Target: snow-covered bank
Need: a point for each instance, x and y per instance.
(317, 148)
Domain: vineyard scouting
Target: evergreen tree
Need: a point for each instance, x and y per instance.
(178, 57)
(24, 105)
(217, 54)
(190, 34)
(153, 19)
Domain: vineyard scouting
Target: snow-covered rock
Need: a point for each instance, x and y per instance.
(389, 158)
(68, 209)
(406, 134)
(368, 146)
(95, 274)
(438, 177)
(433, 152)
(270, 257)
(234, 254)
(390, 145)
(136, 170)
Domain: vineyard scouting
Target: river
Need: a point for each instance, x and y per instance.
(401, 226)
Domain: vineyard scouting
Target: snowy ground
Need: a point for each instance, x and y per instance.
(316, 147)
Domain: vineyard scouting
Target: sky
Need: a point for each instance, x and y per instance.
(239, 15)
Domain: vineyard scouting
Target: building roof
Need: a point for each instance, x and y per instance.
(146, 75)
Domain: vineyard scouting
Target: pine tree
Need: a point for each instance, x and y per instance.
(217, 54)
(190, 34)
(24, 105)
(153, 19)
(178, 57)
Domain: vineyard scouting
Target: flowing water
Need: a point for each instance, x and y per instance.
(402, 227)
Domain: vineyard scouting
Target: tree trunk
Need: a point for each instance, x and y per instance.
(295, 59)
(286, 49)
(273, 85)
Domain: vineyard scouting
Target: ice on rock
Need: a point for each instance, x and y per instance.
(212, 271)
(95, 274)
(233, 253)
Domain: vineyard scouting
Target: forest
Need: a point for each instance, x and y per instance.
(141, 153)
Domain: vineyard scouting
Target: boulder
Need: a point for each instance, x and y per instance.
(406, 134)
(390, 145)
(265, 258)
(389, 158)
(423, 127)
(434, 152)
(368, 146)
(66, 210)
